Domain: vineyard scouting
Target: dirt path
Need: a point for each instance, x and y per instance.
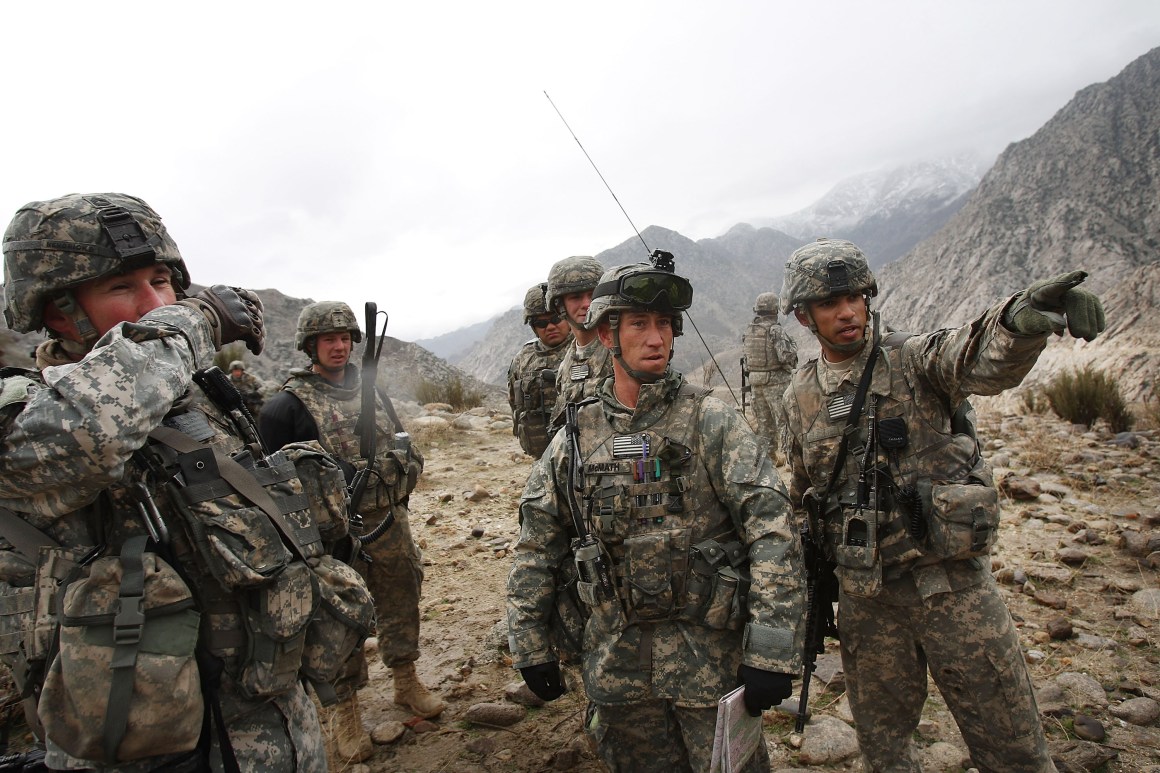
(1096, 492)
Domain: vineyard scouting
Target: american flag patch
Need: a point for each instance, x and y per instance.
(579, 372)
(839, 407)
(627, 446)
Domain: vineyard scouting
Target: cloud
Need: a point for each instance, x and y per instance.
(405, 153)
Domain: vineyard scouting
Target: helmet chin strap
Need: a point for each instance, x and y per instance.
(67, 303)
(644, 378)
(849, 348)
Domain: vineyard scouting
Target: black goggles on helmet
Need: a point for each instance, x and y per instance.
(652, 290)
(541, 323)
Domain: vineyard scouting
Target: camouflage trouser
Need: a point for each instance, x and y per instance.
(768, 410)
(968, 641)
(395, 579)
(279, 734)
(660, 736)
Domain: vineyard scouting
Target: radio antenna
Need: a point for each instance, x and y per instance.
(656, 257)
(606, 185)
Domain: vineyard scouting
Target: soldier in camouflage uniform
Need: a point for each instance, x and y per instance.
(911, 513)
(323, 402)
(249, 386)
(586, 363)
(685, 506)
(103, 276)
(770, 357)
(532, 374)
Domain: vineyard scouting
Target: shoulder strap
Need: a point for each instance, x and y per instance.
(26, 538)
(239, 479)
(855, 413)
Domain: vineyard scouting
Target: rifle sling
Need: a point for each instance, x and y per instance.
(855, 414)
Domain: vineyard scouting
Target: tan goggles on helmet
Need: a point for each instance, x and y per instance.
(653, 290)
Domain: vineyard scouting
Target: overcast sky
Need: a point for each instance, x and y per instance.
(406, 153)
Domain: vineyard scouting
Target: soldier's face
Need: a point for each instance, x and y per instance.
(576, 306)
(841, 323)
(646, 339)
(332, 350)
(553, 333)
(111, 300)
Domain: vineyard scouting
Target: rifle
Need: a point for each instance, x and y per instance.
(591, 561)
(821, 593)
(367, 427)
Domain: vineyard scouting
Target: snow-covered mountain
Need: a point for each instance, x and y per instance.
(887, 212)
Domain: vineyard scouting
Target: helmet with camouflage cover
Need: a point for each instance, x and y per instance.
(640, 287)
(534, 302)
(576, 274)
(325, 317)
(824, 268)
(237, 365)
(52, 246)
(766, 304)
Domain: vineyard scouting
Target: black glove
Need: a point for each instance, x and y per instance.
(1046, 305)
(544, 680)
(763, 689)
(234, 314)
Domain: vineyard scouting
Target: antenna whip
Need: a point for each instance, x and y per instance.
(606, 185)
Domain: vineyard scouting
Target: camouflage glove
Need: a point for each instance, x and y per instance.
(1049, 304)
(763, 689)
(234, 314)
(544, 680)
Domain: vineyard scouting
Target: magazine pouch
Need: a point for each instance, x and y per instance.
(276, 617)
(322, 483)
(716, 591)
(654, 569)
(124, 684)
(237, 540)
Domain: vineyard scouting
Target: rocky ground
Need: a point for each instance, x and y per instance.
(1078, 562)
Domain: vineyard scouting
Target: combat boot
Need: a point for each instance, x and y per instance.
(346, 739)
(410, 692)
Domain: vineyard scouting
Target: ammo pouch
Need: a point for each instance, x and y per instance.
(717, 586)
(654, 564)
(234, 534)
(962, 518)
(344, 619)
(323, 484)
(125, 683)
(276, 616)
(397, 472)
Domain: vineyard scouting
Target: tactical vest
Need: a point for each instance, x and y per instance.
(336, 412)
(578, 378)
(199, 545)
(673, 547)
(532, 393)
(760, 356)
(934, 491)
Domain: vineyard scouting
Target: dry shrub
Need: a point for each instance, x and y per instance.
(452, 391)
(1085, 395)
(1150, 409)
